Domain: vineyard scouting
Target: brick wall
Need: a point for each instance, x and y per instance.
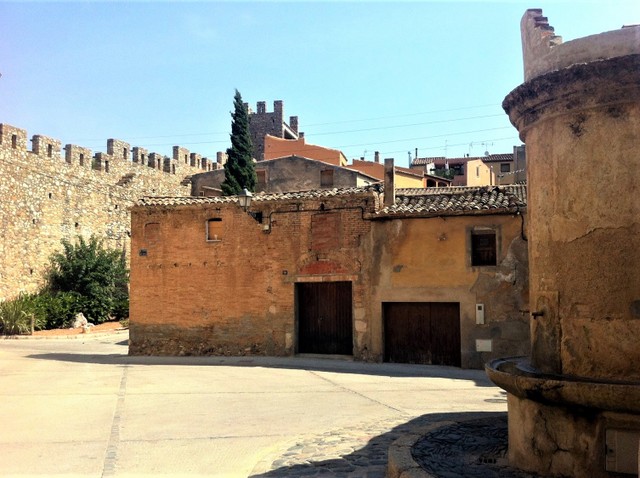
(235, 295)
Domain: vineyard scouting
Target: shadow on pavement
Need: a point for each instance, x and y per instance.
(294, 363)
(371, 460)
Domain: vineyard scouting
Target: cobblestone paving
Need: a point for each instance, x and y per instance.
(475, 448)
(470, 448)
(355, 452)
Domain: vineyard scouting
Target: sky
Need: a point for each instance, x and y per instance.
(362, 77)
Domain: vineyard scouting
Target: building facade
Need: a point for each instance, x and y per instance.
(286, 174)
(278, 148)
(487, 170)
(333, 271)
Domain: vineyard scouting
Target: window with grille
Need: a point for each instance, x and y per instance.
(483, 248)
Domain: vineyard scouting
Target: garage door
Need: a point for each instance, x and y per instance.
(422, 332)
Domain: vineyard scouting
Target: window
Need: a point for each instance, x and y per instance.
(125, 153)
(81, 159)
(483, 248)
(214, 229)
(152, 232)
(49, 150)
(14, 141)
(505, 167)
(477, 171)
(262, 179)
(326, 178)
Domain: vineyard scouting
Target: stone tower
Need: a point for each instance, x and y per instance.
(262, 123)
(574, 405)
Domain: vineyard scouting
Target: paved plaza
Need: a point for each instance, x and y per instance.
(82, 407)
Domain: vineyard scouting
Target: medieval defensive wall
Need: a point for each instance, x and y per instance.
(50, 193)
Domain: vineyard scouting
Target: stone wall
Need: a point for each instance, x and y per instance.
(48, 194)
(262, 123)
(286, 174)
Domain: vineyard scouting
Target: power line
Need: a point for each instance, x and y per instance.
(402, 115)
(407, 125)
(129, 138)
(425, 137)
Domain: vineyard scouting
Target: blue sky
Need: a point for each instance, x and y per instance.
(361, 76)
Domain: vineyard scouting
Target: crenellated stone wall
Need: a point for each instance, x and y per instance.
(46, 196)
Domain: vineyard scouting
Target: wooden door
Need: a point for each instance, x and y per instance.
(324, 318)
(422, 332)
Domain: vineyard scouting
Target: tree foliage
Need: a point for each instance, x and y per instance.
(94, 275)
(239, 169)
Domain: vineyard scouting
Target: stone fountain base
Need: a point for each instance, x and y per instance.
(569, 426)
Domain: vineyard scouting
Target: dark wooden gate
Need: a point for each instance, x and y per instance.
(422, 332)
(324, 318)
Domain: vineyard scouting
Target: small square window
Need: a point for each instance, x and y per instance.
(483, 248)
(505, 167)
(326, 178)
(214, 229)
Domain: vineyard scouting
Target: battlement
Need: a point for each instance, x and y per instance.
(543, 51)
(182, 162)
(262, 123)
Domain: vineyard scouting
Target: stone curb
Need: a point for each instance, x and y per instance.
(400, 462)
(65, 337)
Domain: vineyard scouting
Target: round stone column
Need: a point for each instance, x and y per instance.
(574, 404)
(581, 126)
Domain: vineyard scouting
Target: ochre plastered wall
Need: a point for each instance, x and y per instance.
(404, 177)
(428, 260)
(46, 198)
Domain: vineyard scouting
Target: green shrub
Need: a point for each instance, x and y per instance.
(93, 280)
(56, 310)
(16, 315)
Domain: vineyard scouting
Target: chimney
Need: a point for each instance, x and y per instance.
(293, 123)
(376, 156)
(262, 107)
(389, 183)
(416, 156)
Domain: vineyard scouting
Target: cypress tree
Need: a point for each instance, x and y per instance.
(239, 170)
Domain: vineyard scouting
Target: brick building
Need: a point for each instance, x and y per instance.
(430, 277)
